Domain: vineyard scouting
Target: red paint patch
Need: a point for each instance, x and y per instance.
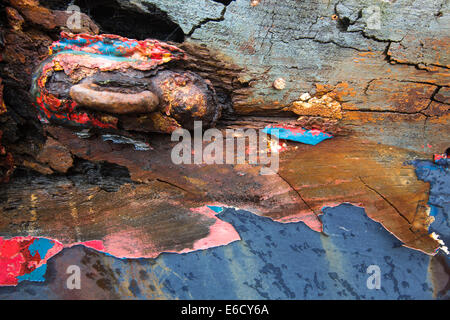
(16, 259)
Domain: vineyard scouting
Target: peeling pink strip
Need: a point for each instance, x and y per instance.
(221, 233)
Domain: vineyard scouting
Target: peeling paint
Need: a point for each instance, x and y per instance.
(274, 261)
(82, 55)
(25, 258)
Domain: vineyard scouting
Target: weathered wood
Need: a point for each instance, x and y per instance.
(369, 48)
(387, 88)
(310, 177)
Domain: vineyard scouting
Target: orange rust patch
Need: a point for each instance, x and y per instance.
(337, 92)
(427, 52)
(324, 106)
(398, 96)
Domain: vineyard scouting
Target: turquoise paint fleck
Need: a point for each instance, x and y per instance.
(307, 137)
(216, 209)
(41, 246)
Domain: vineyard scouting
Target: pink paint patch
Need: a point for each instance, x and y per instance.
(316, 132)
(221, 233)
(438, 157)
(94, 244)
(132, 244)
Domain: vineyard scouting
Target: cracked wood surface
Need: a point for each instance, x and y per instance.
(396, 77)
(373, 176)
(395, 71)
(392, 84)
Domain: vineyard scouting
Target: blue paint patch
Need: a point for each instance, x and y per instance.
(311, 137)
(109, 46)
(41, 246)
(36, 275)
(439, 179)
(438, 175)
(216, 209)
(96, 55)
(439, 200)
(433, 211)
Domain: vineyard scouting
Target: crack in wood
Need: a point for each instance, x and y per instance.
(298, 193)
(385, 199)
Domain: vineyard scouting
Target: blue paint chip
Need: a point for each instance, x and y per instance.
(433, 211)
(311, 137)
(216, 209)
(36, 275)
(41, 246)
(110, 47)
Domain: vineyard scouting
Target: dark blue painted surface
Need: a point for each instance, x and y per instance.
(290, 261)
(438, 175)
(272, 261)
(439, 178)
